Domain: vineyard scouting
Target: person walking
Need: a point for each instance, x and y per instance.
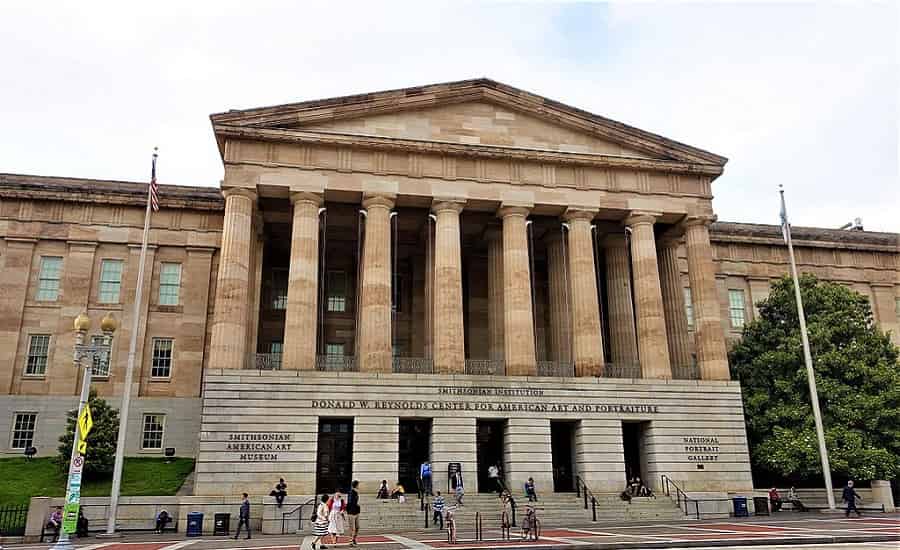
(353, 511)
(494, 476)
(425, 476)
(437, 509)
(336, 513)
(850, 496)
(320, 525)
(459, 491)
(244, 517)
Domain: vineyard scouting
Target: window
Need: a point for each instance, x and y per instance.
(101, 360)
(162, 358)
(337, 291)
(689, 307)
(38, 351)
(736, 308)
(897, 306)
(275, 351)
(152, 436)
(110, 281)
(169, 284)
(23, 430)
(48, 282)
(334, 350)
(278, 289)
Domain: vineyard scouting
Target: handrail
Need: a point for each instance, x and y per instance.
(681, 498)
(582, 490)
(285, 515)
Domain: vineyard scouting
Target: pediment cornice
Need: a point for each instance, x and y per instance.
(294, 116)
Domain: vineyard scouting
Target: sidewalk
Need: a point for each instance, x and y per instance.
(778, 529)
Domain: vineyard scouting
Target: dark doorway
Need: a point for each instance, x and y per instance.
(562, 441)
(415, 448)
(334, 458)
(631, 441)
(491, 442)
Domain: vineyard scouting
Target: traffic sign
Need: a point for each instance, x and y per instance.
(85, 422)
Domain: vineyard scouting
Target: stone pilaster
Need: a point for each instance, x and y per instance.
(494, 237)
(587, 338)
(653, 350)
(375, 351)
(518, 333)
(622, 341)
(673, 303)
(16, 271)
(449, 338)
(559, 297)
(228, 344)
(301, 317)
(709, 336)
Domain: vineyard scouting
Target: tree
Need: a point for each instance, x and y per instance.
(857, 377)
(101, 441)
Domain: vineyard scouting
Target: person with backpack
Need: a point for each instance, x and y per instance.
(425, 476)
(353, 511)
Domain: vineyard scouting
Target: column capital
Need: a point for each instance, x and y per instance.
(240, 192)
(305, 196)
(638, 217)
(513, 210)
(456, 205)
(384, 200)
(574, 213)
(691, 221)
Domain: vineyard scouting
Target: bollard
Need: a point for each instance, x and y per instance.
(594, 508)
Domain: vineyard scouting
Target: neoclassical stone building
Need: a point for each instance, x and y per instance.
(464, 272)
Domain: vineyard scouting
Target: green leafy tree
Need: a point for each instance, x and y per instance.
(857, 377)
(101, 441)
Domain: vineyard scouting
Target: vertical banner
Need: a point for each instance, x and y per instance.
(73, 496)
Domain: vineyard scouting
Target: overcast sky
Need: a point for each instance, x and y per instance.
(802, 94)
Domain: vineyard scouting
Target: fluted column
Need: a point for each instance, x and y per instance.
(587, 338)
(673, 302)
(653, 349)
(375, 351)
(449, 337)
(494, 237)
(518, 334)
(709, 336)
(228, 343)
(560, 297)
(301, 317)
(620, 313)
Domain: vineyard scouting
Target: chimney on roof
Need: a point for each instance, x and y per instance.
(855, 225)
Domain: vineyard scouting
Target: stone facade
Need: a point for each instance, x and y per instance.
(380, 248)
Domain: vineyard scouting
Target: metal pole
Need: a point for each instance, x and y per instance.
(129, 370)
(810, 373)
(63, 542)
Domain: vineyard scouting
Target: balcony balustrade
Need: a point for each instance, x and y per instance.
(686, 372)
(555, 368)
(490, 367)
(337, 363)
(413, 365)
(264, 361)
(620, 370)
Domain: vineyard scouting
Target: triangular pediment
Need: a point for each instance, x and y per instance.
(478, 112)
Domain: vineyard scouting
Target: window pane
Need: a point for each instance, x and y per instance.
(38, 351)
(278, 287)
(162, 358)
(736, 308)
(23, 430)
(152, 435)
(48, 283)
(689, 307)
(110, 281)
(337, 291)
(101, 360)
(169, 284)
(334, 350)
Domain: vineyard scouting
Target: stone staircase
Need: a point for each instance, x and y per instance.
(555, 510)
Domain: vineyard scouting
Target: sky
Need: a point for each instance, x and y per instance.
(801, 94)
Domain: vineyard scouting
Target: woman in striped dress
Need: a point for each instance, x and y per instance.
(320, 526)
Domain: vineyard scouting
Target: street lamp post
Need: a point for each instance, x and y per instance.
(83, 358)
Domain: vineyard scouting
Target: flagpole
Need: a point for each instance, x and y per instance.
(129, 368)
(807, 357)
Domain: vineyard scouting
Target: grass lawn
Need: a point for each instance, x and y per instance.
(20, 479)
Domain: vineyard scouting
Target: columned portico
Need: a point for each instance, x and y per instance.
(518, 333)
(623, 343)
(449, 336)
(586, 335)
(673, 303)
(375, 350)
(228, 344)
(300, 327)
(496, 321)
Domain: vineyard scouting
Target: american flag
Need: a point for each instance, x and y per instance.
(154, 187)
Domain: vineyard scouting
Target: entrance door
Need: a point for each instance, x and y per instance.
(631, 442)
(562, 441)
(490, 444)
(415, 447)
(334, 458)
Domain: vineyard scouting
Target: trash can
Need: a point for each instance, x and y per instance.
(221, 523)
(740, 507)
(194, 524)
(760, 506)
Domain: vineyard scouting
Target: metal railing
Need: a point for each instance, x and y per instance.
(265, 361)
(12, 520)
(493, 367)
(337, 363)
(620, 370)
(413, 365)
(686, 372)
(285, 516)
(555, 368)
(582, 490)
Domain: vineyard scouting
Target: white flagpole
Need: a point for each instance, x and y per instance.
(807, 356)
(129, 371)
